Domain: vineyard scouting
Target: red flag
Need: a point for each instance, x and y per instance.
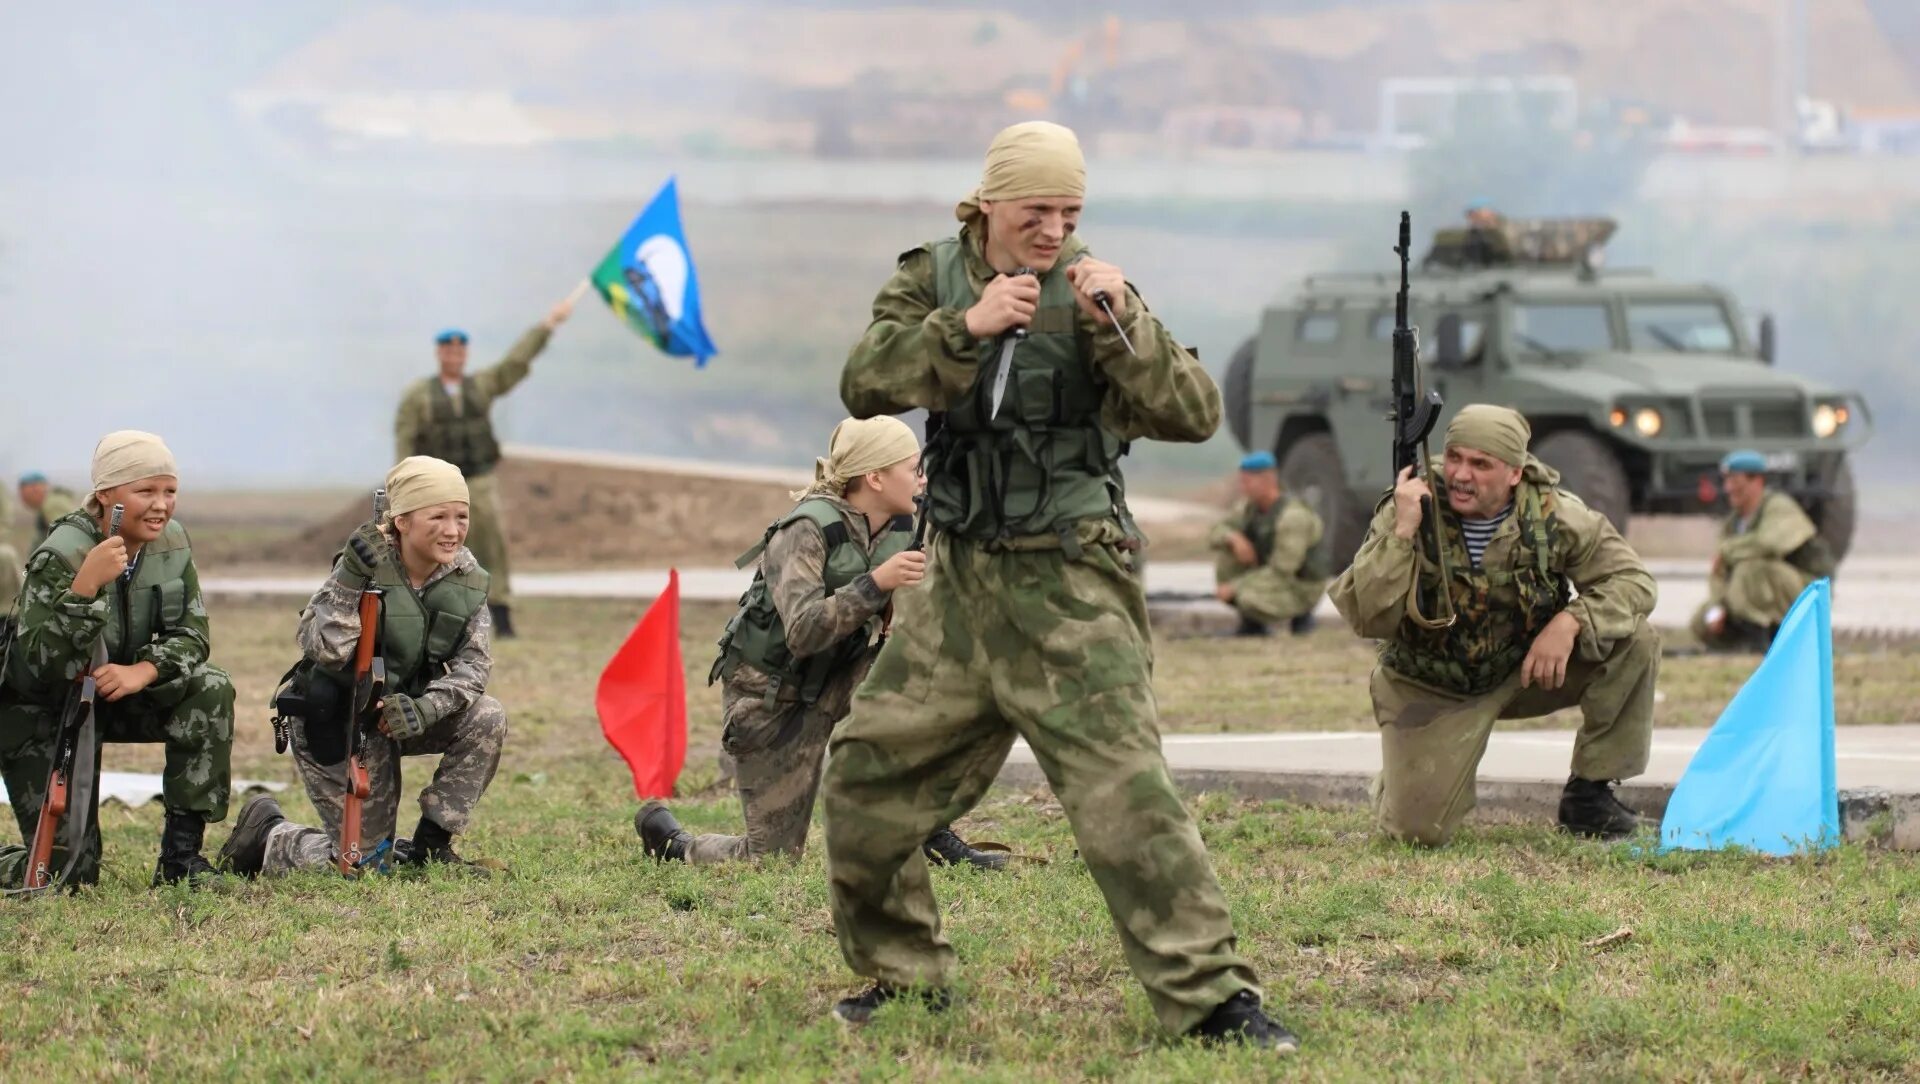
(642, 698)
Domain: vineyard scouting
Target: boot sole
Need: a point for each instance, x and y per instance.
(249, 813)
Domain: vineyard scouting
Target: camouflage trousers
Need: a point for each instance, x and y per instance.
(995, 645)
(191, 714)
(1431, 741)
(487, 535)
(1267, 599)
(469, 745)
(776, 750)
(1756, 591)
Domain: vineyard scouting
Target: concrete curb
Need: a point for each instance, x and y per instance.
(1868, 815)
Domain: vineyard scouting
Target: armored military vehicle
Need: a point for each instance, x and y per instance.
(1635, 385)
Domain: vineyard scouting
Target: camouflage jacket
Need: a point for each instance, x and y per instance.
(54, 640)
(917, 355)
(416, 406)
(330, 630)
(1581, 549)
(59, 503)
(1296, 530)
(1779, 528)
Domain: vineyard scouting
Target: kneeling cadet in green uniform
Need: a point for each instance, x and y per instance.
(1520, 646)
(1769, 552)
(803, 640)
(1270, 566)
(139, 592)
(436, 637)
(1031, 622)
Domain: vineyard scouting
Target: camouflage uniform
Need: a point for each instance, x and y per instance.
(469, 734)
(1279, 584)
(459, 430)
(1040, 636)
(1762, 567)
(777, 742)
(1437, 694)
(10, 571)
(189, 707)
(58, 504)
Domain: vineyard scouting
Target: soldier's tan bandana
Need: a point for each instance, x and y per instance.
(1037, 158)
(128, 456)
(857, 447)
(421, 481)
(1496, 430)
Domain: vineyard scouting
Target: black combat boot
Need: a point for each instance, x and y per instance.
(1588, 808)
(1249, 627)
(1240, 1020)
(431, 844)
(180, 857)
(860, 1008)
(1302, 624)
(660, 835)
(502, 620)
(245, 851)
(943, 848)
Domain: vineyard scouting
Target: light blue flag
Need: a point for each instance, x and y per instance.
(648, 280)
(1764, 778)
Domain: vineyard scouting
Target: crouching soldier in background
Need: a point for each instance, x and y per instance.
(1271, 567)
(1769, 552)
(436, 642)
(136, 593)
(803, 639)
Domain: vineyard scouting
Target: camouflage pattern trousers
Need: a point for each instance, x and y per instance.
(776, 750)
(1431, 741)
(469, 745)
(1757, 591)
(1267, 599)
(1056, 651)
(191, 714)
(487, 535)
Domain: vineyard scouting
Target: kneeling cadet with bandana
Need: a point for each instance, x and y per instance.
(436, 637)
(1521, 646)
(137, 593)
(803, 639)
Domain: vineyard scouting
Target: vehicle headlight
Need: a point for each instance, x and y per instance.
(1647, 422)
(1828, 418)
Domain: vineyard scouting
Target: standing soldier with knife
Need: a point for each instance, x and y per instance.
(1030, 622)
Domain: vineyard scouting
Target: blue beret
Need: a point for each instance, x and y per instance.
(1258, 461)
(33, 478)
(1479, 205)
(1744, 461)
(451, 335)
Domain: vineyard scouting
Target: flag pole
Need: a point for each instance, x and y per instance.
(580, 291)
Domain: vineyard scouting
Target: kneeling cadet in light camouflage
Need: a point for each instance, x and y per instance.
(436, 637)
(1270, 567)
(804, 638)
(1520, 646)
(137, 593)
(1031, 622)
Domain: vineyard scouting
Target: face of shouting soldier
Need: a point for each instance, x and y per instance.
(432, 535)
(148, 505)
(1478, 485)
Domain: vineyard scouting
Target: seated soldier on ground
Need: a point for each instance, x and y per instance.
(1769, 552)
(436, 640)
(804, 638)
(138, 594)
(1271, 567)
(1520, 645)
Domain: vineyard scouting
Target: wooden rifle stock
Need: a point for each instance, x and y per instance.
(369, 685)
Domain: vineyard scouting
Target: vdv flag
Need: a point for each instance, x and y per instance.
(1764, 778)
(648, 281)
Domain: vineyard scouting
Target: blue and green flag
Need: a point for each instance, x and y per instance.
(649, 282)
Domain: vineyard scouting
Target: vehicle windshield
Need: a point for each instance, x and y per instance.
(1690, 327)
(1555, 328)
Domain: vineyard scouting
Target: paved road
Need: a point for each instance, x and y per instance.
(1873, 593)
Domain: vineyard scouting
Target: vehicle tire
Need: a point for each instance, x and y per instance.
(1834, 515)
(1236, 393)
(1311, 471)
(1590, 471)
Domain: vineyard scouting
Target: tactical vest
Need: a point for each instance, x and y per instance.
(420, 630)
(1045, 463)
(1261, 529)
(756, 635)
(464, 438)
(1813, 557)
(1500, 611)
(138, 610)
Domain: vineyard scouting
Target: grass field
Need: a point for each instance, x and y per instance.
(587, 962)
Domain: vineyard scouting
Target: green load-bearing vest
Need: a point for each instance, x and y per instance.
(139, 610)
(1045, 463)
(756, 636)
(463, 438)
(1500, 610)
(420, 630)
